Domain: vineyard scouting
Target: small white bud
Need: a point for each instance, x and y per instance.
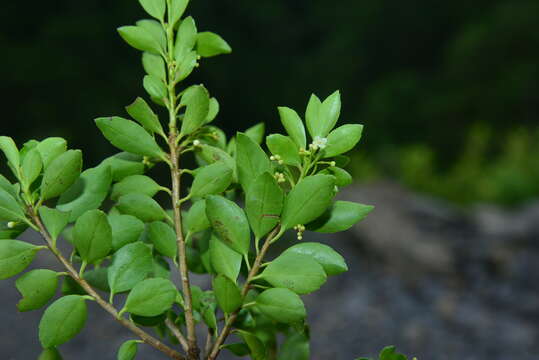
(11, 224)
(196, 143)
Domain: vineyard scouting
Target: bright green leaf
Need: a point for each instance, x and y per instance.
(212, 179)
(50, 149)
(31, 167)
(7, 145)
(92, 236)
(61, 174)
(130, 265)
(256, 132)
(229, 222)
(64, 319)
(213, 111)
(141, 112)
(186, 39)
(55, 220)
(128, 350)
(123, 165)
(342, 177)
(251, 160)
(37, 287)
(284, 147)
(154, 65)
(155, 8)
(164, 238)
(139, 184)
(187, 65)
(296, 347)
(10, 210)
(263, 204)
(227, 293)
(281, 305)
(256, 346)
(50, 354)
(329, 114)
(312, 116)
(126, 229)
(340, 217)
(210, 44)
(141, 206)
(332, 262)
(151, 297)
(155, 87)
(140, 38)
(197, 101)
(176, 10)
(15, 256)
(224, 260)
(293, 126)
(343, 139)
(196, 220)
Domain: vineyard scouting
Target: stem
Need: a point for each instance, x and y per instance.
(276, 233)
(145, 337)
(177, 333)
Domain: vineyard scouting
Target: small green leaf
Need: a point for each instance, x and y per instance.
(256, 346)
(343, 139)
(238, 349)
(308, 200)
(141, 112)
(97, 277)
(293, 126)
(92, 236)
(296, 347)
(342, 177)
(139, 184)
(212, 179)
(281, 305)
(332, 262)
(130, 265)
(284, 147)
(263, 204)
(50, 149)
(151, 297)
(31, 167)
(224, 260)
(329, 114)
(8, 187)
(176, 10)
(312, 116)
(154, 65)
(37, 287)
(164, 238)
(7, 145)
(186, 39)
(227, 293)
(340, 217)
(251, 160)
(197, 101)
(141, 206)
(140, 38)
(211, 154)
(256, 132)
(187, 65)
(128, 350)
(61, 174)
(126, 229)
(15, 256)
(55, 220)
(123, 165)
(155, 87)
(210, 44)
(155, 8)
(230, 222)
(390, 353)
(299, 273)
(196, 219)
(64, 319)
(10, 210)
(213, 111)
(50, 354)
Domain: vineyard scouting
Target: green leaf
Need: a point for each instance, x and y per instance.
(15, 256)
(88, 192)
(342, 177)
(229, 222)
(308, 200)
(340, 217)
(210, 44)
(251, 160)
(343, 139)
(186, 39)
(141, 112)
(139, 184)
(97, 277)
(196, 220)
(55, 220)
(390, 353)
(293, 126)
(140, 38)
(176, 10)
(155, 8)
(281, 305)
(211, 179)
(164, 238)
(263, 204)
(227, 293)
(238, 349)
(329, 114)
(256, 346)
(31, 167)
(10, 210)
(213, 111)
(256, 132)
(61, 174)
(11, 232)
(299, 273)
(123, 165)
(8, 187)
(332, 262)
(37, 287)
(151, 297)
(223, 259)
(151, 321)
(128, 136)
(312, 116)
(128, 350)
(7, 145)
(141, 206)
(50, 354)
(211, 154)
(154, 65)
(130, 265)
(187, 65)
(126, 229)
(64, 319)
(155, 87)
(92, 236)
(284, 147)
(50, 149)
(296, 347)
(197, 101)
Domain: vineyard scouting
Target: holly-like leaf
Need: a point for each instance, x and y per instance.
(251, 160)
(62, 172)
(343, 139)
(55, 220)
(293, 126)
(210, 44)
(263, 204)
(224, 260)
(37, 287)
(151, 297)
(141, 206)
(227, 293)
(92, 236)
(15, 256)
(197, 101)
(229, 222)
(141, 112)
(332, 262)
(140, 184)
(128, 350)
(340, 217)
(164, 238)
(281, 305)
(130, 265)
(212, 179)
(126, 229)
(63, 320)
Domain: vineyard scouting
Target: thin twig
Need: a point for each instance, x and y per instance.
(177, 333)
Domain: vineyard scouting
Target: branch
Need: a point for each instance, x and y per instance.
(177, 333)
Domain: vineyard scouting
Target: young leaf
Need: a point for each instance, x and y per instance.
(176, 10)
(124, 164)
(212, 179)
(10, 210)
(139, 184)
(128, 136)
(263, 204)
(50, 354)
(312, 116)
(284, 147)
(340, 217)
(155, 8)
(50, 149)
(37, 287)
(251, 160)
(61, 174)
(15, 256)
(293, 126)
(130, 265)
(329, 114)
(299, 273)
(196, 220)
(281, 305)
(197, 101)
(227, 293)
(55, 220)
(92, 236)
(126, 229)
(230, 222)
(210, 44)
(186, 39)
(308, 200)
(256, 132)
(164, 238)
(256, 346)
(7, 145)
(151, 297)
(31, 167)
(128, 350)
(155, 87)
(140, 38)
(224, 260)
(141, 111)
(141, 206)
(343, 139)
(332, 262)
(64, 319)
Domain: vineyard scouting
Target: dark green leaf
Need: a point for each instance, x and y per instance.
(212, 179)
(210, 44)
(151, 297)
(62, 172)
(284, 147)
(141, 206)
(55, 220)
(64, 319)
(197, 101)
(343, 139)
(211, 154)
(281, 305)
(141, 112)
(126, 229)
(224, 260)
(98, 278)
(130, 265)
(390, 353)
(293, 126)
(92, 236)
(155, 8)
(15, 256)
(140, 38)
(140, 184)
(238, 349)
(263, 204)
(332, 262)
(296, 347)
(227, 293)
(230, 222)
(340, 217)
(128, 350)
(37, 287)
(164, 238)
(251, 160)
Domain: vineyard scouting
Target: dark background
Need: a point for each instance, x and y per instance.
(448, 92)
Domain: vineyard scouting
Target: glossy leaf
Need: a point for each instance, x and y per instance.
(140, 38)
(284, 147)
(139, 184)
(164, 238)
(37, 287)
(141, 112)
(332, 262)
(281, 305)
(15, 256)
(224, 260)
(210, 44)
(141, 206)
(126, 229)
(197, 102)
(312, 116)
(50, 148)
(263, 204)
(340, 217)
(55, 220)
(128, 350)
(212, 179)
(251, 160)
(130, 265)
(196, 219)
(213, 110)
(92, 236)
(63, 171)
(10, 210)
(343, 139)
(229, 222)
(151, 297)
(62, 321)
(155, 8)
(227, 293)
(329, 114)
(293, 126)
